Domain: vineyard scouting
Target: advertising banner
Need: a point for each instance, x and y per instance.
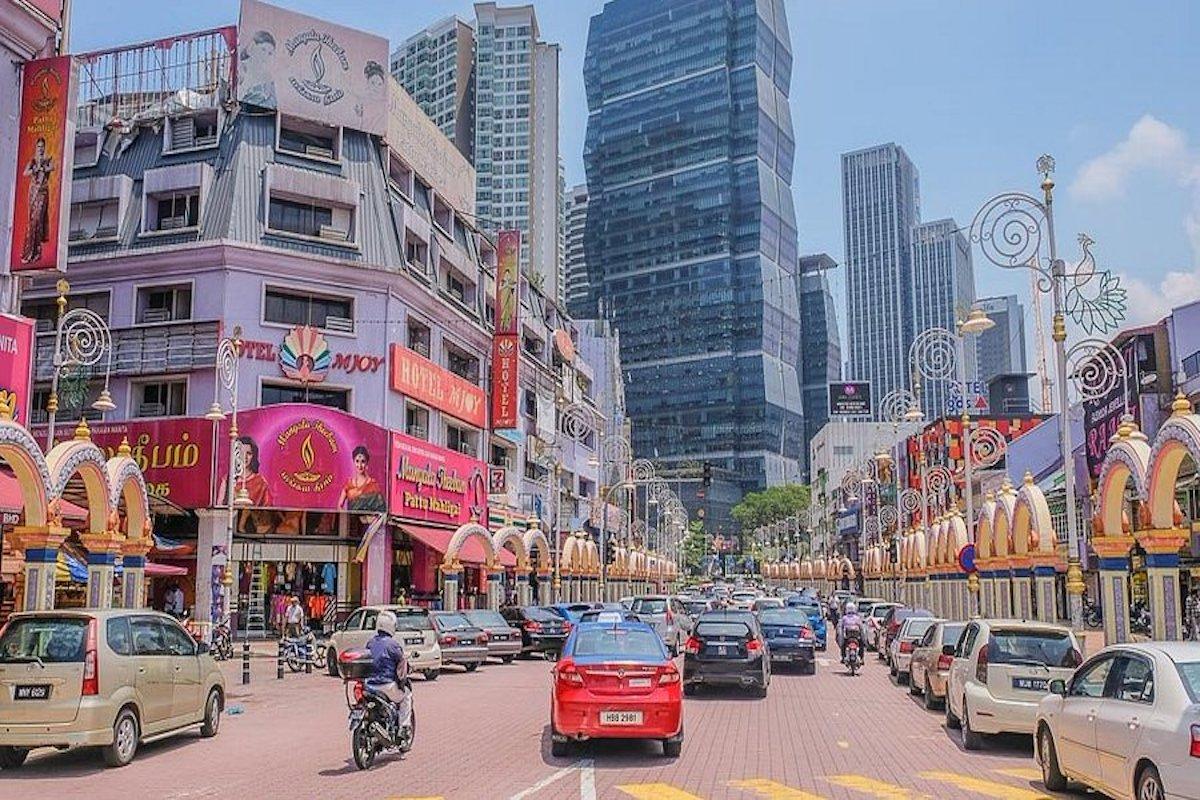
(308, 457)
(505, 357)
(417, 377)
(432, 484)
(508, 300)
(16, 364)
(850, 399)
(45, 153)
(176, 455)
(312, 69)
(1102, 415)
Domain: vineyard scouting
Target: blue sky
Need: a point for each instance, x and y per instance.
(974, 91)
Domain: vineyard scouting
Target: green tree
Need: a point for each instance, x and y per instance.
(695, 545)
(770, 505)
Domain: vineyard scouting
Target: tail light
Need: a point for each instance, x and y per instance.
(358, 691)
(566, 626)
(906, 647)
(532, 625)
(944, 661)
(981, 665)
(568, 674)
(91, 663)
(446, 640)
(668, 675)
(1195, 741)
(754, 646)
(692, 645)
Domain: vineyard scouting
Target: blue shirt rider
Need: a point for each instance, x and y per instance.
(850, 619)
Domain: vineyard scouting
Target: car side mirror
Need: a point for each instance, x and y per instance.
(1059, 687)
(948, 650)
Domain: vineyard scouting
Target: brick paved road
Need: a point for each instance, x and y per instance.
(484, 735)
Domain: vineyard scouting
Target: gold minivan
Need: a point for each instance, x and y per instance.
(102, 678)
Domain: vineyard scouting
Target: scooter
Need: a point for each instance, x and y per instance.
(853, 659)
(373, 724)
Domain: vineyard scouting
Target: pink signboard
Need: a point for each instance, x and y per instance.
(309, 457)
(433, 484)
(16, 364)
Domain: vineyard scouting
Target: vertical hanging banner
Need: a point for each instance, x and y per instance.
(45, 150)
(506, 344)
(16, 364)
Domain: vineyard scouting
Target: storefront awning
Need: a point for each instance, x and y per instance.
(12, 502)
(438, 539)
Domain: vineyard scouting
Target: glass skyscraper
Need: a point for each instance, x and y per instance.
(943, 294)
(691, 236)
(821, 347)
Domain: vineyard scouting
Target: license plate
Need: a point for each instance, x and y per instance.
(722, 651)
(1032, 684)
(783, 657)
(413, 640)
(639, 683)
(32, 692)
(620, 718)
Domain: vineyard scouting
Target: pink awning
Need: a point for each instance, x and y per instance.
(156, 570)
(12, 502)
(472, 551)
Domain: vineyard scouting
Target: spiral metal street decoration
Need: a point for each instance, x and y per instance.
(871, 527)
(987, 447)
(83, 339)
(577, 421)
(617, 450)
(851, 482)
(910, 501)
(1009, 231)
(642, 470)
(1094, 367)
(938, 480)
(657, 490)
(933, 353)
(227, 363)
(896, 404)
(888, 517)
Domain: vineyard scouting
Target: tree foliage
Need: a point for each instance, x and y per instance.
(695, 545)
(770, 505)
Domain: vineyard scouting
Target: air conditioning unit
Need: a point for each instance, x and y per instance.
(172, 223)
(151, 409)
(417, 431)
(332, 233)
(420, 347)
(339, 324)
(319, 152)
(156, 315)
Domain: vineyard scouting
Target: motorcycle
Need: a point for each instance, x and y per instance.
(296, 651)
(1139, 618)
(853, 658)
(373, 724)
(1091, 615)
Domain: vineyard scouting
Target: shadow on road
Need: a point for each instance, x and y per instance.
(46, 762)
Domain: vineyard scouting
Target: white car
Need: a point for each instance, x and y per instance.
(1001, 670)
(874, 617)
(743, 600)
(905, 642)
(414, 631)
(1127, 723)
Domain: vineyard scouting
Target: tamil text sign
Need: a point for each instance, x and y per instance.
(175, 455)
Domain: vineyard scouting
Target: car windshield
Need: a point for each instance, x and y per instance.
(917, 628)
(453, 622)
(1049, 648)
(617, 642)
(879, 612)
(413, 621)
(484, 617)
(56, 640)
(784, 616)
(1190, 673)
(539, 614)
(713, 628)
(650, 606)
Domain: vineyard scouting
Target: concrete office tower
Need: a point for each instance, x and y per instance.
(1001, 350)
(516, 137)
(691, 235)
(820, 347)
(880, 206)
(578, 302)
(437, 67)
(943, 293)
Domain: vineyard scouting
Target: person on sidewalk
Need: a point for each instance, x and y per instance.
(1191, 613)
(293, 619)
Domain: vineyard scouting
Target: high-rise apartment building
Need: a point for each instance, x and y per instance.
(880, 205)
(820, 346)
(437, 67)
(577, 278)
(943, 291)
(1001, 350)
(691, 236)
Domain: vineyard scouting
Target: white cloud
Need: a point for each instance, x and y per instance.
(1149, 303)
(1151, 146)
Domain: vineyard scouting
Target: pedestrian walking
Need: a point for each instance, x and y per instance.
(1192, 613)
(293, 619)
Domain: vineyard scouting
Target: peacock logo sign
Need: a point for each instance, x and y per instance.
(323, 53)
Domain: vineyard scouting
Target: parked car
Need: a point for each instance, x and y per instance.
(890, 626)
(930, 663)
(102, 678)
(608, 609)
(462, 642)
(572, 611)
(790, 638)
(905, 642)
(542, 631)
(816, 619)
(504, 641)
(1001, 669)
(764, 603)
(615, 681)
(1126, 723)
(726, 648)
(866, 603)
(743, 599)
(697, 605)
(874, 618)
(667, 615)
(414, 631)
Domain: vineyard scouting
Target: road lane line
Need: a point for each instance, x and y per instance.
(656, 791)
(774, 790)
(875, 788)
(587, 780)
(549, 779)
(1028, 773)
(988, 788)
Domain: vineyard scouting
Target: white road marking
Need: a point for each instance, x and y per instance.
(562, 773)
(587, 780)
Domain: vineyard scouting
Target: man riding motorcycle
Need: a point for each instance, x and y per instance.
(389, 669)
(850, 622)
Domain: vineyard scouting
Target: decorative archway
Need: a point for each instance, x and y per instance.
(41, 535)
(534, 541)
(1178, 438)
(80, 456)
(512, 535)
(1127, 459)
(452, 566)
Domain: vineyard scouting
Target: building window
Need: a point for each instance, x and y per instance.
(400, 176)
(530, 404)
(294, 308)
(175, 210)
(191, 131)
(273, 394)
(501, 456)
(462, 364)
(462, 440)
(416, 422)
(304, 219)
(460, 288)
(308, 139)
(164, 304)
(95, 221)
(87, 148)
(418, 337)
(159, 398)
(44, 310)
(416, 252)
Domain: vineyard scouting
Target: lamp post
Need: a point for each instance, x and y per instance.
(81, 339)
(1015, 230)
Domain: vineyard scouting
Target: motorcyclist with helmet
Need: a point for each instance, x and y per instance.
(849, 626)
(389, 669)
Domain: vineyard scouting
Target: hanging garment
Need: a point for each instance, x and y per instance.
(329, 578)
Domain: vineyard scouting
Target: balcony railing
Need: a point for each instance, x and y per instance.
(161, 348)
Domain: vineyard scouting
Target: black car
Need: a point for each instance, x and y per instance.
(790, 638)
(726, 648)
(542, 631)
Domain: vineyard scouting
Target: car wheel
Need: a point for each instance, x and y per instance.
(1149, 784)
(212, 714)
(125, 740)
(431, 674)
(331, 663)
(811, 667)
(507, 659)
(951, 720)
(971, 740)
(672, 747)
(930, 700)
(12, 757)
(914, 688)
(902, 677)
(474, 665)
(1052, 776)
(690, 689)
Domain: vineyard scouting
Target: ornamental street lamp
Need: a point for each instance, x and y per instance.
(81, 339)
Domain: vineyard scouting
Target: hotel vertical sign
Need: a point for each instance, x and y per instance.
(506, 344)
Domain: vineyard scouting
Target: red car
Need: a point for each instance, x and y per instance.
(615, 680)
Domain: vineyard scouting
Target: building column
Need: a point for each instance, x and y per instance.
(1043, 580)
(102, 560)
(1162, 580)
(545, 586)
(40, 545)
(1002, 589)
(451, 576)
(1113, 553)
(495, 586)
(133, 572)
(1022, 588)
(524, 590)
(211, 542)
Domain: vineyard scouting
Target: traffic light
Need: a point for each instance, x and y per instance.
(707, 479)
